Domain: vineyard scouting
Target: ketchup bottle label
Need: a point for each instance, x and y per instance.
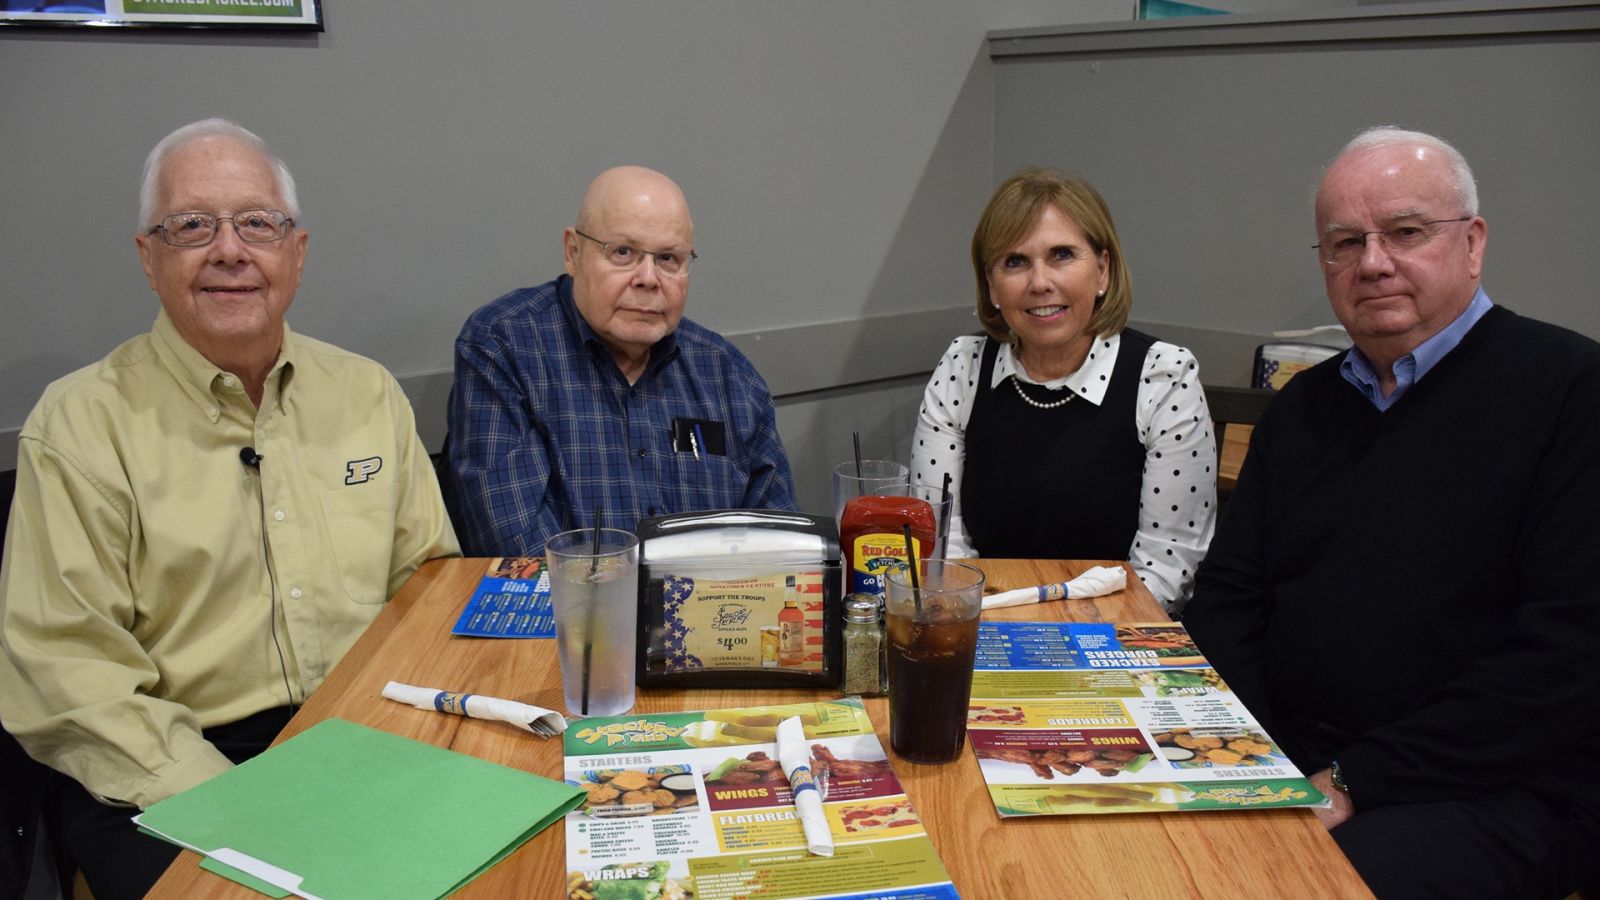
(873, 556)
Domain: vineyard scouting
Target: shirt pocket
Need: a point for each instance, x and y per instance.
(360, 529)
(713, 481)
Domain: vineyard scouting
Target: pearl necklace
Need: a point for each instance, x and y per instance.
(1017, 383)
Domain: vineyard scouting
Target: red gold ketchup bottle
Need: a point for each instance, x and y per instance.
(872, 537)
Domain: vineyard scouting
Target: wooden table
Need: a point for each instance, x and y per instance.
(1258, 853)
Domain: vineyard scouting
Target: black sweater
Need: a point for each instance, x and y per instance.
(1416, 592)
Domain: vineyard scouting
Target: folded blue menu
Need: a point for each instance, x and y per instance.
(511, 600)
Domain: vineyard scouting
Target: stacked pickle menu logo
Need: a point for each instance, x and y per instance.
(629, 732)
(288, 8)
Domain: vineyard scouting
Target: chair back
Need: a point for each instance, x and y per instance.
(1234, 413)
(449, 490)
(8, 488)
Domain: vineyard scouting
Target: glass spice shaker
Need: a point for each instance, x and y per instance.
(863, 646)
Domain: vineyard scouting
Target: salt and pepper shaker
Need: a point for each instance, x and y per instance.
(864, 671)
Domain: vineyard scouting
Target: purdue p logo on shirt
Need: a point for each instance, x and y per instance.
(360, 471)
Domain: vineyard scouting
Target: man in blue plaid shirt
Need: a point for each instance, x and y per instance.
(593, 391)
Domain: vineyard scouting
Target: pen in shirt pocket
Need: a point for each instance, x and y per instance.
(703, 438)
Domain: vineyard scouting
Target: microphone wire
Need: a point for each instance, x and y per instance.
(272, 579)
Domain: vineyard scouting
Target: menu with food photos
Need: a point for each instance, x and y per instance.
(512, 600)
(1069, 718)
(695, 805)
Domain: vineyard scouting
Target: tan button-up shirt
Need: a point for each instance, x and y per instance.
(154, 585)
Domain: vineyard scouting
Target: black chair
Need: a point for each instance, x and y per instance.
(19, 810)
(1235, 406)
(448, 488)
(19, 817)
(24, 823)
(22, 800)
(1231, 406)
(8, 487)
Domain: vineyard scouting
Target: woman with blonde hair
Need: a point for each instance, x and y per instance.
(1066, 434)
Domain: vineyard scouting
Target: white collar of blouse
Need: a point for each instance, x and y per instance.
(1088, 383)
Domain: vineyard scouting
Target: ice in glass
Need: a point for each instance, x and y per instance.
(932, 642)
(595, 598)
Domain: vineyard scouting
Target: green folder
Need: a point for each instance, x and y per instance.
(343, 810)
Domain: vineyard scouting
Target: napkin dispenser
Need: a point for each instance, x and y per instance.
(739, 598)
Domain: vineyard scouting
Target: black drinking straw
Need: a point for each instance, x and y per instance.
(588, 632)
(857, 436)
(944, 523)
(911, 555)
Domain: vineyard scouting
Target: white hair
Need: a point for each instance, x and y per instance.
(1383, 136)
(206, 128)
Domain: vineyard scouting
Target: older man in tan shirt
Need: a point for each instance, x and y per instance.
(205, 520)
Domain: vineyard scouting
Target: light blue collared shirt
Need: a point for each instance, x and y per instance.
(1409, 369)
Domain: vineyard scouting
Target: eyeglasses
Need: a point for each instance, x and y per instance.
(197, 229)
(627, 256)
(1341, 248)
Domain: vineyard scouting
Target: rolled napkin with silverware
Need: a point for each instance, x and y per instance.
(1096, 582)
(532, 719)
(795, 758)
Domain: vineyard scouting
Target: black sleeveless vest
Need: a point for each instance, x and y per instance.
(1060, 483)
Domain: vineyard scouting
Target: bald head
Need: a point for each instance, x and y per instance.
(633, 221)
(630, 193)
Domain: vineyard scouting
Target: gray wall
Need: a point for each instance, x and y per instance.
(1207, 137)
(834, 155)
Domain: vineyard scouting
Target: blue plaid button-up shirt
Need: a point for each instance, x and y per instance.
(544, 427)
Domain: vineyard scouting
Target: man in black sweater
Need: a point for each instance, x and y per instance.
(1404, 587)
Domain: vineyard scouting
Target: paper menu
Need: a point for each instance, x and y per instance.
(697, 802)
(1074, 718)
(343, 810)
(512, 600)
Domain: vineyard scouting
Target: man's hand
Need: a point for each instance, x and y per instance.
(1341, 809)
